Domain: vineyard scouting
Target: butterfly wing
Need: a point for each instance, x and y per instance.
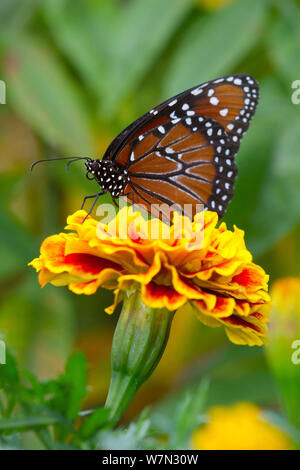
(183, 166)
(191, 139)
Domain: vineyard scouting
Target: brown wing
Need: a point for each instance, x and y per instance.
(183, 150)
(183, 165)
(230, 100)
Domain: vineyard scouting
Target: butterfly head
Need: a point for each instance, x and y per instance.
(112, 178)
(93, 168)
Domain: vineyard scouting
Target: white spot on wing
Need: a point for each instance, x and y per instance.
(224, 112)
(197, 91)
(214, 100)
(237, 81)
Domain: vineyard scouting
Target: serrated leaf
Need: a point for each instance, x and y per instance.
(94, 422)
(75, 377)
(25, 423)
(125, 439)
(189, 415)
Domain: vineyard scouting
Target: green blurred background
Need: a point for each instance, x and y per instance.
(76, 73)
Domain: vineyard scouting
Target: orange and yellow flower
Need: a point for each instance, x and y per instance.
(239, 427)
(217, 276)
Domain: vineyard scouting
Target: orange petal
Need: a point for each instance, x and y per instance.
(252, 277)
(87, 288)
(158, 296)
(224, 307)
(240, 331)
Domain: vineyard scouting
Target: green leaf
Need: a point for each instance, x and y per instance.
(278, 210)
(283, 42)
(9, 375)
(283, 424)
(45, 95)
(255, 156)
(114, 47)
(215, 44)
(131, 438)
(85, 32)
(15, 238)
(11, 442)
(14, 14)
(68, 392)
(75, 377)
(144, 32)
(94, 422)
(189, 415)
(25, 423)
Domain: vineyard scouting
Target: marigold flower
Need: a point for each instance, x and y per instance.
(216, 276)
(239, 427)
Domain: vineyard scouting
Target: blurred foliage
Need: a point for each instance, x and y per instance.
(76, 74)
(47, 415)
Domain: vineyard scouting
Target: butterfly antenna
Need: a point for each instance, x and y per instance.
(70, 160)
(74, 160)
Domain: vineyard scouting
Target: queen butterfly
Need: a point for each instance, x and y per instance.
(182, 151)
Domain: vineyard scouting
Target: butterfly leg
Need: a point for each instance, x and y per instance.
(96, 196)
(132, 197)
(116, 203)
(89, 197)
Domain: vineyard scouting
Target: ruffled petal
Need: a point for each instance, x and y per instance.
(195, 262)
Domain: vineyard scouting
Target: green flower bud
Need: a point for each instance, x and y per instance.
(139, 341)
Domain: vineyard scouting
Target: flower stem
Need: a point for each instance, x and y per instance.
(139, 341)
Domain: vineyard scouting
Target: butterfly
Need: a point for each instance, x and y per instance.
(182, 152)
